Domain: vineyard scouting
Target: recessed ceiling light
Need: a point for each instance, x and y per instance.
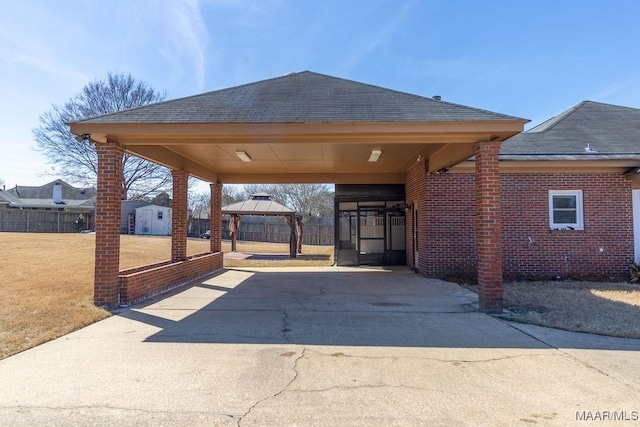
(242, 155)
(375, 155)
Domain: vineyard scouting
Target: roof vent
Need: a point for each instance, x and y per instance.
(590, 149)
(437, 97)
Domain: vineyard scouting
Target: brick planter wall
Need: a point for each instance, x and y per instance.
(139, 283)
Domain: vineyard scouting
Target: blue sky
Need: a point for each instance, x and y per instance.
(531, 59)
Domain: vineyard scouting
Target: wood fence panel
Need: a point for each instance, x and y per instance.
(33, 221)
(313, 234)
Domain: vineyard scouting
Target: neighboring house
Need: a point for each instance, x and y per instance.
(54, 196)
(570, 195)
(153, 220)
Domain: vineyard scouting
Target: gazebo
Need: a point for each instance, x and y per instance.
(261, 204)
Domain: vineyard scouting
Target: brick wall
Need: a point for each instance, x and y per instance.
(608, 224)
(142, 282)
(449, 229)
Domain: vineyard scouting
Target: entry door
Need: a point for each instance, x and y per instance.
(347, 238)
(636, 223)
(372, 237)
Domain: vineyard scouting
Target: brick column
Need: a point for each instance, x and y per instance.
(489, 228)
(179, 216)
(107, 218)
(416, 195)
(215, 217)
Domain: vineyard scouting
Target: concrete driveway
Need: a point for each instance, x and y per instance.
(319, 346)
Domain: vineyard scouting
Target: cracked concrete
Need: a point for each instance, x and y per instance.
(296, 373)
(325, 347)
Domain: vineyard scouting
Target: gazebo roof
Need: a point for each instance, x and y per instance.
(260, 204)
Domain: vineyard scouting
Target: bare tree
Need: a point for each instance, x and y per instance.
(311, 200)
(77, 160)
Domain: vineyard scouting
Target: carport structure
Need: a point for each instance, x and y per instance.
(300, 128)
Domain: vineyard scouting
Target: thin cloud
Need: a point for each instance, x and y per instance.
(378, 38)
(72, 75)
(187, 41)
(609, 90)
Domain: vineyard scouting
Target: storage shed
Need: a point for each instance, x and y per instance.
(153, 220)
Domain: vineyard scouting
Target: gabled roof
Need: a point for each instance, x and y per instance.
(42, 196)
(45, 192)
(304, 97)
(610, 131)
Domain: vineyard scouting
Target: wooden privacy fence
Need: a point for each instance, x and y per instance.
(266, 229)
(32, 221)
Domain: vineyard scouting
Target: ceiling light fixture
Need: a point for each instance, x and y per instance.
(375, 155)
(242, 155)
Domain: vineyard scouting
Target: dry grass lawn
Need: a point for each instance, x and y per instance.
(46, 280)
(594, 307)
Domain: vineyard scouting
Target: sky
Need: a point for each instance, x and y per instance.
(531, 59)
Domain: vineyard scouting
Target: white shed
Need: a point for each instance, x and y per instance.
(153, 220)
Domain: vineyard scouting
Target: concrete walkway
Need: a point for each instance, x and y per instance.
(319, 346)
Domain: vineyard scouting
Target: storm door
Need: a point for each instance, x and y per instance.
(372, 233)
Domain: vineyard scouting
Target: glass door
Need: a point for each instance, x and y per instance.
(347, 247)
(372, 236)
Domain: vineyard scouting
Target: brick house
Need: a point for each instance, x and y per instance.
(570, 198)
(406, 192)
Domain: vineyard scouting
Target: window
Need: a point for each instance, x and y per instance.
(565, 210)
(159, 214)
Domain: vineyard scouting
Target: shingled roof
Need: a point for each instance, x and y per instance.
(589, 129)
(304, 97)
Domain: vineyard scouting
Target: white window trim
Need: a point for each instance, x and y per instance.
(579, 225)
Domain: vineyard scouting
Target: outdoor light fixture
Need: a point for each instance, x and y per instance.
(375, 155)
(242, 155)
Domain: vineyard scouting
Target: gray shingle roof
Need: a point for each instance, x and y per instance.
(45, 192)
(298, 98)
(42, 197)
(611, 130)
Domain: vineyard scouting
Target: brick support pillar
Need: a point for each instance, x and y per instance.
(489, 228)
(215, 217)
(107, 218)
(179, 216)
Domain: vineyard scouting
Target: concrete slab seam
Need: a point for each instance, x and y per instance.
(570, 356)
